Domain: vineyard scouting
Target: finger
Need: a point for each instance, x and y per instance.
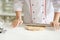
(54, 24)
(17, 23)
(51, 24)
(14, 24)
(59, 24)
(21, 22)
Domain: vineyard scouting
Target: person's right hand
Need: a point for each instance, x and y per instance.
(16, 22)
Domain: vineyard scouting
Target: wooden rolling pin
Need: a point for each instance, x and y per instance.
(36, 27)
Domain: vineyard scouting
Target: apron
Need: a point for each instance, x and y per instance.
(35, 11)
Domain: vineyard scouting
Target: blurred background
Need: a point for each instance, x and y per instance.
(7, 13)
(6, 10)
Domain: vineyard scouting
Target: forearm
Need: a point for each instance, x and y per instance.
(18, 15)
(56, 16)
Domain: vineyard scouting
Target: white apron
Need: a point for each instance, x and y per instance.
(35, 11)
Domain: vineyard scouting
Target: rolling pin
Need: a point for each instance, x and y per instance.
(36, 27)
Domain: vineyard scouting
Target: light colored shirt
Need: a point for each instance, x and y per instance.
(56, 5)
(35, 11)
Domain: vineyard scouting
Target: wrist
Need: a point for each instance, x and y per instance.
(56, 20)
(19, 19)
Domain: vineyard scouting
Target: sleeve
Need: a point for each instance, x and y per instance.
(18, 5)
(57, 9)
(56, 5)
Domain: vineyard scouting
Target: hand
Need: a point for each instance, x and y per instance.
(55, 25)
(16, 22)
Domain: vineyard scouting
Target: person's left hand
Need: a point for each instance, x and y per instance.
(55, 24)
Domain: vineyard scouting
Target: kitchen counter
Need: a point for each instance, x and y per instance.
(20, 33)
